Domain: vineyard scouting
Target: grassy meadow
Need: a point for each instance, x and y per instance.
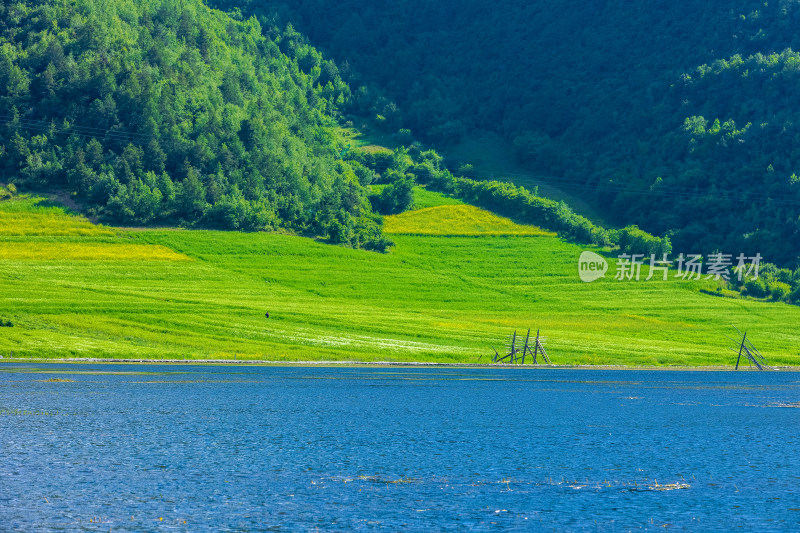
(458, 221)
(458, 281)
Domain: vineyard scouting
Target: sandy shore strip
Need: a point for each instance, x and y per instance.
(408, 364)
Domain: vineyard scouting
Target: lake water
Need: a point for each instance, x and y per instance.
(188, 448)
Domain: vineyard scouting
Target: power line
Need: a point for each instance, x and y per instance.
(73, 129)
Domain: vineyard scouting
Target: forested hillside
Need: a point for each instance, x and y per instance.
(680, 117)
(163, 112)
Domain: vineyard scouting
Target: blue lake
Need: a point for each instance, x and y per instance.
(245, 448)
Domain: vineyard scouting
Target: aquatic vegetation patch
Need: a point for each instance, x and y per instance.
(512, 484)
(789, 405)
(10, 411)
(194, 381)
(34, 370)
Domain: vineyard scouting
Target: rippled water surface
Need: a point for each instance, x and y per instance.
(188, 448)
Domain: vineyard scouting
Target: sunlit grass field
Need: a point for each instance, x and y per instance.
(457, 221)
(204, 295)
(32, 216)
(89, 251)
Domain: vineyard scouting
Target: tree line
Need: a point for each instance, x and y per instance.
(659, 121)
(161, 112)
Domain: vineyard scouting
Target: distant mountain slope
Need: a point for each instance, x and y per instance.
(158, 111)
(675, 116)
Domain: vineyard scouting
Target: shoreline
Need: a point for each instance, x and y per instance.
(408, 364)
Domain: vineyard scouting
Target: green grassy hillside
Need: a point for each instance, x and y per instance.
(204, 294)
(675, 116)
(457, 220)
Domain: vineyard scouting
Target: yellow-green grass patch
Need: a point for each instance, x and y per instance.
(374, 149)
(60, 251)
(48, 224)
(24, 216)
(424, 198)
(457, 220)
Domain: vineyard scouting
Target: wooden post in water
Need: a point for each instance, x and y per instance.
(746, 348)
(513, 347)
(512, 355)
(526, 349)
(740, 351)
(544, 353)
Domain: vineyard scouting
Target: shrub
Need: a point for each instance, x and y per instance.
(395, 197)
(794, 297)
(779, 291)
(404, 137)
(633, 240)
(365, 175)
(235, 213)
(756, 287)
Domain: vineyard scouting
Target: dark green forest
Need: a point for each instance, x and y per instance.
(165, 112)
(679, 117)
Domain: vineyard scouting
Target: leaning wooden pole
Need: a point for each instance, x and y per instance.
(526, 349)
(740, 351)
(536, 347)
(752, 358)
(544, 354)
(513, 353)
